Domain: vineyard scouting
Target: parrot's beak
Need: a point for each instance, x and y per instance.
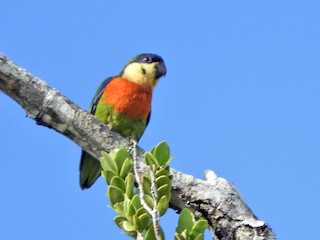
(161, 70)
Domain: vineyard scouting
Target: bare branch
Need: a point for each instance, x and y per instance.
(215, 199)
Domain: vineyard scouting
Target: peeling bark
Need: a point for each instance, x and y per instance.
(214, 198)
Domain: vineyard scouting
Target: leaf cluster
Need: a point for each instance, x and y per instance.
(157, 161)
(189, 228)
(132, 217)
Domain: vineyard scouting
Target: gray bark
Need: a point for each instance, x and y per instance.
(214, 198)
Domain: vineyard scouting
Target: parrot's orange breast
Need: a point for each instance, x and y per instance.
(128, 98)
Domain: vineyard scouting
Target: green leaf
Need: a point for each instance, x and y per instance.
(104, 175)
(130, 211)
(126, 206)
(104, 159)
(145, 220)
(199, 237)
(137, 223)
(162, 180)
(135, 201)
(169, 160)
(163, 205)
(146, 184)
(185, 234)
(162, 154)
(115, 195)
(119, 209)
(186, 220)
(119, 183)
(113, 153)
(141, 211)
(120, 158)
(149, 159)
(129, 185)
(107, 163)
(150, 234)
(148, 199)
(152, 150)
(108, 175)
(127, 226)
(178, 236)
(119, 220)
(199, 227)
(164, 190)
(162, 172)
(126, 168)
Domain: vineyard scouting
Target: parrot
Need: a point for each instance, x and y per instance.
(124, 103)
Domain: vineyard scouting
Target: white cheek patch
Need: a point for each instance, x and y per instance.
(133, 72)
(141, 73)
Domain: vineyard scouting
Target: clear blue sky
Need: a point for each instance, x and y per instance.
(241, 97)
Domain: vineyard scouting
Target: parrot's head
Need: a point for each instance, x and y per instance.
(145, 69)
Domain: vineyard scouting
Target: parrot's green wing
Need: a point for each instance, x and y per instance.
(90, 167)
(143, 70)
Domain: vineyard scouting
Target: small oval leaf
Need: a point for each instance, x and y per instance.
(119, 209)
(104, 159)
(148, 199)
(177, 236)
(120, 158)
(108, 175)
(118, 182)
(142, 211)
(129, 185)
(137, 224)
(162, 180)
(162, 172)
(149, 159)
(162, 153)
(115, 195)
(107, 163)
(145, 220)
(118, 220)
(199, 227)
(164, 190)
(199, 237)
(130, 211)
(126, 168)
(150, 234)
(135, 201)
(163, 205)
(186, 220)
(128, 227)
(146, 184)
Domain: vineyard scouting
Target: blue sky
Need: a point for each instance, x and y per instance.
(241, 97)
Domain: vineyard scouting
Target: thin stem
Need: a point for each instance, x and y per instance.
(154, 193)
(153, 212)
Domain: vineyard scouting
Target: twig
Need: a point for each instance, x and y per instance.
(154, 194)
(153, 212)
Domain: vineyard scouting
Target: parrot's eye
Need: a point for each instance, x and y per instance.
(147, 60)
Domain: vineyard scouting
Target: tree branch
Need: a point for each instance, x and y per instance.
(215, 199)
